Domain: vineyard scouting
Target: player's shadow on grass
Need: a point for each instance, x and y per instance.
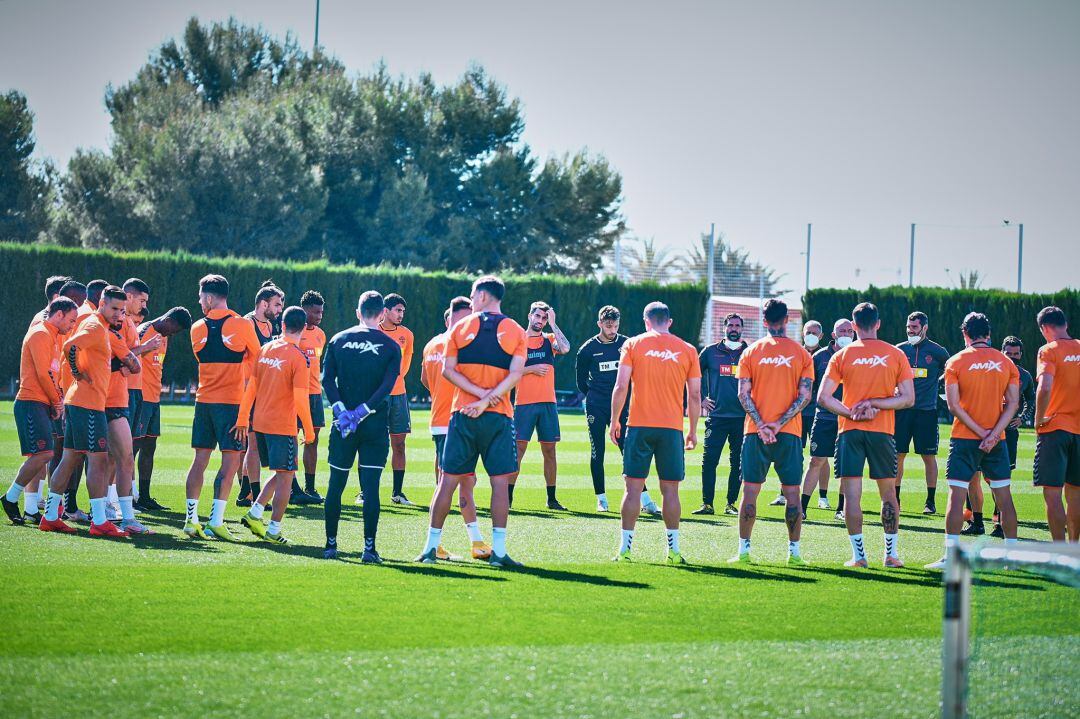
(575, 514)
(171, 543)
(744, 572)
(565, 575)
(437, 570)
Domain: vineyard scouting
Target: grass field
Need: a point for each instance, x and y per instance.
(165, 626)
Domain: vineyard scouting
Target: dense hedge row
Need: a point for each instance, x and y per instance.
(174, 281)
(1010, 313)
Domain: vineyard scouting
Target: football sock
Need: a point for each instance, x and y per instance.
(97, 510)
(14, 491)
(551, 493)
(256, 510)
(793, 548)
(858, 551)
(52, 507)
(823, 493)
(498, 541)
(673, 540)
(1014, 540)
(510, 493)
(309, 482)
(217, 513)
(369, 544)
(369, 483)
(744, 546)
(892, 545)
(646, 500)
(295, 491)
(627, 542)
(111, 494)
(950, 540)
(977, 518)
(840, 503)
(273, 527)
(332, 508)
(930, 492)
(897, 494)
(245, 487)
(193, 511)
(399, 481)
(434, 537)
(473, 529)
(256, 489)
(32, 502)
(127, 511)
(805, 502)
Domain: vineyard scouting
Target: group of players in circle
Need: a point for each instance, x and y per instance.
(90, 389)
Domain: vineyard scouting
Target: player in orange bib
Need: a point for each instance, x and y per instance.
(535, 408)
(484, 360)
(877, 380)
(312, 344)
(38, 403)
(442, 397)
(663, 369)
(776, 375)
(278, 390)
(400, 419)
(982, 387)
(226, 348)
(1057, 421)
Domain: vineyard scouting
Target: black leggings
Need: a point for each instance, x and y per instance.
(598, 438)
(146, 447)
(369, 485)
(719, 432)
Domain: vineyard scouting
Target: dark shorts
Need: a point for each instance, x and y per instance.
(1057, 459)
(1012, 441)
(965, 459)
(823, 437)
(785, 455)
(135, 403)
(148, 423)
(277, 452)
(58, 427)
(369, 444)
(665, 445)
(489, 437)
(440, 447)
(857, 448)
(34, 426)
(114, 413)
(918, 427)
(542, 417)
(598, 423)
(85, 430)
(212, 427)
(400, 419)
(318, 417)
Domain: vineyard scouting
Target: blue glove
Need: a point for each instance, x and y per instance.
(360, 413)
(338, 408)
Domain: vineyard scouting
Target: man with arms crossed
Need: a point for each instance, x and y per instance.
(226, 347)
(484, 360)
(535, 408)
(360, 368)
(877, 380)
(1057, 421)
(662, 368)
(918, 424)
(977, 379)
(724, 415)
(776, 376)
(596, 367)
(442, 396)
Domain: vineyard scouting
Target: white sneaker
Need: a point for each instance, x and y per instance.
(112, 512)
(939, 564)
(823, 503)
(652, 509)
(602, 504)
(359, 499)
(401, 499)
(780, 501)
(839, 516)
(135, 527)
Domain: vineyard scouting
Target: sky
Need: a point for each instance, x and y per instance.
(859, 118)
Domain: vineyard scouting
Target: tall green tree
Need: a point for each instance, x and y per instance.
(26, 186)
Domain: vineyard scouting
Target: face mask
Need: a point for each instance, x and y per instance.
(732, 345)
(914, 339)
(811, 341)
(843, 342)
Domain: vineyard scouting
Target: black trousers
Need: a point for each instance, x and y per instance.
(718, 432)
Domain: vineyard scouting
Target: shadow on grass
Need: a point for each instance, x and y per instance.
(444, 569)
(743, 571)
(566, 575)
(171, 543)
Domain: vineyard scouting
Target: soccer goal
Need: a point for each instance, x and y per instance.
(991, 664)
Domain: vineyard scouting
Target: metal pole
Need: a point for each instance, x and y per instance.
(1020, 261)
(954, 630)
(710, 273)
(317, 24)
(761, 301)
(808, 229)
(911, 259)
(618, 258)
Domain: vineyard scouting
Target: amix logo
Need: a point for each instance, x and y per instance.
(272, 362)
(988, 366)
(362, 347)
(434, 357)
(875, 361)
(664, 355)
(1072, 358)
(779, 361)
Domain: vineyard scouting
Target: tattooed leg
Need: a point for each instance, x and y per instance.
(748, 509)
(793, 513)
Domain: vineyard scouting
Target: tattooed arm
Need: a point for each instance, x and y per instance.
(805, 385)
(768, 436)
(561, 345)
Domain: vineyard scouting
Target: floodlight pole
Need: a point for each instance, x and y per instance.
(1020, 261)
(911, 259)
(809, 226)
(710, 273)
(316, 47)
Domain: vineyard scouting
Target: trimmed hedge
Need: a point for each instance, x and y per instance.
(173, 279)
(1010, 313)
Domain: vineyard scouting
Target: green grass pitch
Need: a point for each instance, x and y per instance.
(165, 626)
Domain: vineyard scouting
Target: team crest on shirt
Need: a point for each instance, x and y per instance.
(664, 355)
(875, 361)
(41, 444)
(988, 366)
(779, 361)
(101, 443)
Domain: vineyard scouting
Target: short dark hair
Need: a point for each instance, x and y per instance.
(490, 284)
(865, 315)
(976, 325)
(446, 315)
(294, 319)
(657, 312)
(112, 292)
(1052, 317)
(214, 285)
(919, 317)
(371, 304)
(539, 305)
(180, 316)
(267, 290)
(53, 285)
(134, 284)
(312, 298)
(72, 287)
(61, 304)
(94, 288)
(392, 300)
(608, 313)
(774, 311)
(1012, 341)
(459, 303)
(733, 316)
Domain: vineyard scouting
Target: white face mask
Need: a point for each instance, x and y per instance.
(732, 344)
(914, 339)
(811, 341)
(843, 342)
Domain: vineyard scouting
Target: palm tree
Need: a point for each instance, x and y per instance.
(643, 262)
(734, 273)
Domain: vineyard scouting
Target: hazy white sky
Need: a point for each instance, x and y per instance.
(860, 117)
